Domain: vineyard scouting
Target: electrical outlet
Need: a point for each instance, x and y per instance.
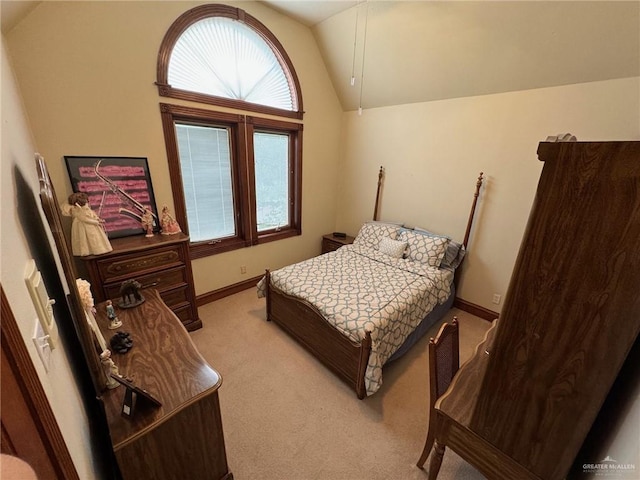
(496, 298)
(243, 269)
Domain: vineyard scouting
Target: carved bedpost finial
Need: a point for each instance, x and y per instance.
(479, 183)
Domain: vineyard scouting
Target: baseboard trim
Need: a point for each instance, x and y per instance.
(226, 291)
(476, 310)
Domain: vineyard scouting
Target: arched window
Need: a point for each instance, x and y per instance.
(221, 55)
(236, 177)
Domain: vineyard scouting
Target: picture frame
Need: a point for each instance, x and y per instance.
(119, 189)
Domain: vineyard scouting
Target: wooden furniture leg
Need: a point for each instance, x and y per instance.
(436, 460)
(426, 450)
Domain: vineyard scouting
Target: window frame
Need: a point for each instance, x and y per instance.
(216, 10)
(242, 125)
(242, 128)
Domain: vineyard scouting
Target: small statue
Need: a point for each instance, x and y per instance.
(121, 342)
(113, 318)
(130, 292)
(88, 236)
(109, 368)
(147, 222)
(168, 223)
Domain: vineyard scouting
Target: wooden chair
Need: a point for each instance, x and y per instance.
(444, 361)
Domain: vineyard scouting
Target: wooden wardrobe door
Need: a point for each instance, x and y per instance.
(572, 311)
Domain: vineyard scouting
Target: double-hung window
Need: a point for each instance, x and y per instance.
(235, 172)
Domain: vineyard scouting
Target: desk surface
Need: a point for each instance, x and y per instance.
(459, 401)
(163, 361)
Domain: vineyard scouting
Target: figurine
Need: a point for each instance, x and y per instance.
(88, 236)
(111, 314)
(130, 292)
(110, 368)
(147, 222)
(168, 223)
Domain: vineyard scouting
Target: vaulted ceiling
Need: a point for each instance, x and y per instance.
(401, 51)
(416, 51)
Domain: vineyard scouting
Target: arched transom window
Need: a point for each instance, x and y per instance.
(221, 55)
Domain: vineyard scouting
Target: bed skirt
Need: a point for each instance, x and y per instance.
(423, 327)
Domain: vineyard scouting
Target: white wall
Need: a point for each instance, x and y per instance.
(59, 384)
(87, 73)
(432, 153)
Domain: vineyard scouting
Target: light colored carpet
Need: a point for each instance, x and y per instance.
(286, 417)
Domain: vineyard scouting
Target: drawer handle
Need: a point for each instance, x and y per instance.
(149, 285)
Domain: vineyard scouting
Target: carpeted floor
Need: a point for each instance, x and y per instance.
(286, 417)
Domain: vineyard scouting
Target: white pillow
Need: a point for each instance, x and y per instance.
(393, 248)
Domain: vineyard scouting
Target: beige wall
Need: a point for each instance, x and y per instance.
(432, 153)
(59, 384)
(87, 72)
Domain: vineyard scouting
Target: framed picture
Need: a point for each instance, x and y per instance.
(119, 191)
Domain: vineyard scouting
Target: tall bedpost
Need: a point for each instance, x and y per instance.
(267, 292)
(375, 208)
(473, 210)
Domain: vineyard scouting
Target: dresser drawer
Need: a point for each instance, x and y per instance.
(184, 314)
(177, 296)
(129, 266)
(161, 281)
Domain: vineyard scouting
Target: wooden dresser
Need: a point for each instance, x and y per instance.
(522, 407)
(161, 262)
(183, 438)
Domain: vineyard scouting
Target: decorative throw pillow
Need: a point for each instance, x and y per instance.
(453, 255)
(423, 248)
(393, 248)
(371, 233)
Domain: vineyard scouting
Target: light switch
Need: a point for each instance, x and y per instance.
(42, 303)
(41, 341)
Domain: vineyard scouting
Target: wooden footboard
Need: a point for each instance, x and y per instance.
(303, 322)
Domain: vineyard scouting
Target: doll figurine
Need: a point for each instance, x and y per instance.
(111, 314)
(147, 222)
(168, 223)
(88, 236)
(110, 368)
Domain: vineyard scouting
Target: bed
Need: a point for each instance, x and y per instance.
(365, 304)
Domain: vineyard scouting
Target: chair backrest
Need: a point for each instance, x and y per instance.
(444, 359)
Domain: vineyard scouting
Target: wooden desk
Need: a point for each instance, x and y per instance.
(183, 438)
(454, 422)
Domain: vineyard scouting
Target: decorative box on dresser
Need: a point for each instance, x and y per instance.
(523, 405)
(330, 242)
(183, 437)
(161, 262)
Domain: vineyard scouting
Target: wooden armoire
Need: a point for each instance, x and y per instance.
(527, 399)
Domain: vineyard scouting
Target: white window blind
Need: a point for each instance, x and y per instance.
(224, 57)
(205, 163)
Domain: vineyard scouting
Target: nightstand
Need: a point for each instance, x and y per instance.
(331, 243)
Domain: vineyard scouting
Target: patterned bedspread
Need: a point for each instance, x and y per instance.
(358, 288)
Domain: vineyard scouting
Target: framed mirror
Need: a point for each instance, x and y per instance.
(85, 333)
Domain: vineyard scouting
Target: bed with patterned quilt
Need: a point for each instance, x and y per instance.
(363, 305)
